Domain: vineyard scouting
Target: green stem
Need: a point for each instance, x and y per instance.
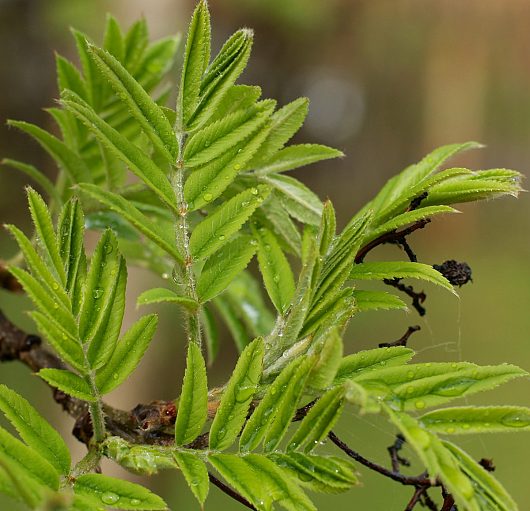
(96, 412)
(88, 464)
(182, 237)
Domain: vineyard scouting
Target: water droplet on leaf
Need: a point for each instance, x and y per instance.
(109, 497)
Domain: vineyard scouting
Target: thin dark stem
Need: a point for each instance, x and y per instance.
(417, 481)
(229, 491)
(418, 492)
(390, 237)
(395, 458)
(448, 503)
(402, 341)
(417, 298)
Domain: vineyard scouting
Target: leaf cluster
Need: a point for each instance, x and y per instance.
(193, 193)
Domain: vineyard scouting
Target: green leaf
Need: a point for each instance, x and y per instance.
(298, 200)
(117, 493)
(288, 402)
(244, 479)
(145, 225)
(275, 269)
(233, 321)
(161, 294)
(40, 270)
(217, 229)
(69, 161)
(69, 77)
(211, 334)
(473, 419)
(196, 58)
(399, 270)
(63, 342)
(28, 460)
(237, 395)
(19, 483)
(221, 75)
(285, 123)
(273, 400)
(245, 295)
(395, 195)
(193, 401)
(407, 218)
(490, 493)
(237, 97)
(157, 60)
(318, 422)
(35, 430)
(44, 228)
(195, 473)
(137, 161)
(327, 474)
(221, 267)
(220, 136)
(207, 183)
(68, 382)
(296, 156)
(274, 216)
(435, 390)
(437, 460)
(113, 40)
(35, 174)
(472, 188)
(280, 484)
(148, 114)
(128, 354)
(103, 301)
(329, 359)
(42, 299)
(70, 232)
(328, 227)
(376, 300)
(369, 360)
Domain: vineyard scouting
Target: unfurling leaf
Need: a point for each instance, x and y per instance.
(193, 401)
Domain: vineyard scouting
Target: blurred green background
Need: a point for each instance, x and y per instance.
(388, 81)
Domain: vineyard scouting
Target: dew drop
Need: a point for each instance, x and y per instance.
(222, 237)
(207, 197)
(410, 375)
(268, 248)
(276, 278)
(55, 286)
(115, 376)
(135, 502)
(450, 431)
(109, 497)
(245, 203)
(254, 191)
(97, 293)
(237, 166)
(420, 405)
(515, 420)
(108, 248)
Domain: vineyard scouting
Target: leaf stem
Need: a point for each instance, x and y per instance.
(182, 237)
(96, 412)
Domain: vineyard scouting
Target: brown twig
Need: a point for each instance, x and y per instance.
(416, 497)
(417, 298)
(395, 458)
(402, 341)
(8, 280)
(390, 237)
(229, 491)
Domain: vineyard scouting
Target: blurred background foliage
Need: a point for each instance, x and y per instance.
(388, 81)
